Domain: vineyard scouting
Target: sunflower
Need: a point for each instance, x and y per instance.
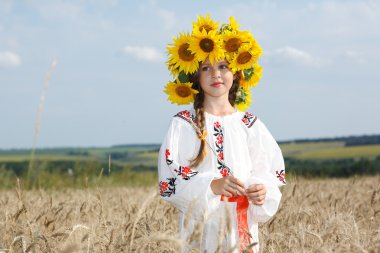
(206, 44)
(180, 93)
(232, 41)
(205, 24)
(245, 57)
(243, 98)
(180, 57)
(233, 24)
(253, 79)
(174, 71)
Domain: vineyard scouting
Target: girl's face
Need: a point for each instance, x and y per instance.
(216, 79)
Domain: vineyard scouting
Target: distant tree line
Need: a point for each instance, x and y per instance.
(333, 167)
(349, 140)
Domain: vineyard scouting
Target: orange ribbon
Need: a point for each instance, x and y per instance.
(242, 218)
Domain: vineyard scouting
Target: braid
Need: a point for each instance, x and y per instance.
(200, 121)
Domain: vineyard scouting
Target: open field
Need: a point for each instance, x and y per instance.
(324, 215)
(367, 151)
(293, 149)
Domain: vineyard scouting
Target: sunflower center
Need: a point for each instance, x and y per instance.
(232, 45)
(184, 53)
(207, 45)
(244, 57)
(183, 91)
(206, 27)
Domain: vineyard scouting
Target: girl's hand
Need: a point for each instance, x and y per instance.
(256, 194)
(228, 186)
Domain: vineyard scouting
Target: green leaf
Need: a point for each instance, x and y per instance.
(241, 96)
(248, 73)
(183, 78)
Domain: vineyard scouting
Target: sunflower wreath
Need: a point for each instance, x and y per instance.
(207, 40)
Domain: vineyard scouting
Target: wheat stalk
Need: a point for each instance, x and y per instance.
(38, 120)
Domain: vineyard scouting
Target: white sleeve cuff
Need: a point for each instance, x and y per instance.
(266, 211)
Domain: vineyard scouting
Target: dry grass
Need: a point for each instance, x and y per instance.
(315, 216)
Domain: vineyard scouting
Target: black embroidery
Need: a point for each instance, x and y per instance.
(249, 119)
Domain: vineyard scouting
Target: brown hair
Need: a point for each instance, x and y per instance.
(200, 117)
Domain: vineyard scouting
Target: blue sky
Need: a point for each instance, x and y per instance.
(321, 68)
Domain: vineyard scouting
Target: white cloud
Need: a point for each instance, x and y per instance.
(148, 54)
(293, 55)
(9, 59)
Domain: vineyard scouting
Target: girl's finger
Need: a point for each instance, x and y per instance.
(255, 194)
(258, 203)
(241, 190)
(226, 193)
(237, 182)
(255, 188)
(230, 189)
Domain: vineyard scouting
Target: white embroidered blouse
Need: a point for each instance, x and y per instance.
(243, 143)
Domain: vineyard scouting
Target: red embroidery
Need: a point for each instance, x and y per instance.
(186, 115)
(167, 154)
(249, 119)
(281, 176)
(218, 133)
(224, 172)
(164, 186)
(167, 188)
(185, 172)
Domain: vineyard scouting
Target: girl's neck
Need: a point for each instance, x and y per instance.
(218, 107)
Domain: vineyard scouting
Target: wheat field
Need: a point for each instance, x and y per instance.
(316, 215)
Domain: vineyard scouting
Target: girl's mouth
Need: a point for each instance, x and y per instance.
(216, 84)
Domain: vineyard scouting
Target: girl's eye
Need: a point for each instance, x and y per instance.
(223, 66)
(205, 68)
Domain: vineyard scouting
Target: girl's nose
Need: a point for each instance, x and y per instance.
(215, 72)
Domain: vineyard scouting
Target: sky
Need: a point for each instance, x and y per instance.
(91, 73)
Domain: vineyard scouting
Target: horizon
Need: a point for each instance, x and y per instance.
(159, 144)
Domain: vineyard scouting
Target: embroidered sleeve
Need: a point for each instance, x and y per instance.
(178, 183)
(183, 172)
(264, 150)
(267, 168)
(172, 149)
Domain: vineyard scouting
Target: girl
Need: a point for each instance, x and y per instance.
(219, 166)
